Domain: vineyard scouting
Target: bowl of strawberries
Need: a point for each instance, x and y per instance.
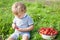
(48, 33)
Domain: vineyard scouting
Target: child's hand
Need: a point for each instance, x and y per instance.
(19, 29)
(13, 26)
(26, 29)
(16, 27)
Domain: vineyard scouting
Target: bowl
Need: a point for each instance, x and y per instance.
(47, 36)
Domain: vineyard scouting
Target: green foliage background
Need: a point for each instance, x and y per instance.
(42, 14)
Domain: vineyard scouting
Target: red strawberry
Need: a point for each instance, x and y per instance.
(51, 34)
(16, 28)
(55, 32)
(48, 31)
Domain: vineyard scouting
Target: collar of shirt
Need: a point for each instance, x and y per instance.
(23, 16)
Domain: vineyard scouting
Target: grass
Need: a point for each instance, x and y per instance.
(43, 15)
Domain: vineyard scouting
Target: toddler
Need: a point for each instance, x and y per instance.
(22, 23)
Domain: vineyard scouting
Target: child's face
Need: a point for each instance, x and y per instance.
(18, 9)
(20, 14)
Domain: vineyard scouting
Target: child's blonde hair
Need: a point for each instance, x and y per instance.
(18, 7)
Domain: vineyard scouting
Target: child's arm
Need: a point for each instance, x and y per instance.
(14, 26)
(26, 29)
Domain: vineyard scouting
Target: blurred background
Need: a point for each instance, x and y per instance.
(45, 13)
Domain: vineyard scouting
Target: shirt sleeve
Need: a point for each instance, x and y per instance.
(30, 21)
